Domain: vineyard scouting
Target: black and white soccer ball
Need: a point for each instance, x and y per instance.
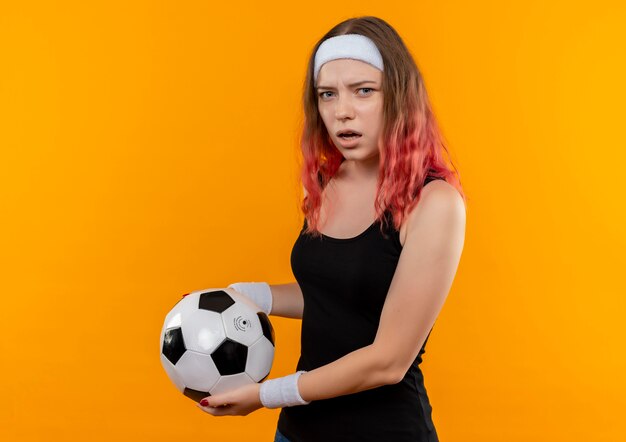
(215, 340)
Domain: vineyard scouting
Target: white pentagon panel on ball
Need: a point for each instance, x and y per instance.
(242, 324)
(170, 369)
(230, 382)
(179, 313)
(197, 370)
(203, 331)
(198, 292)
(260, 358)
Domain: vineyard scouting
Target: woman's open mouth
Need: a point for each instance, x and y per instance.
(349, 140)
(349, 136)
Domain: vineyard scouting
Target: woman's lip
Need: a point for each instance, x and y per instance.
(348, 131)
(346, 142)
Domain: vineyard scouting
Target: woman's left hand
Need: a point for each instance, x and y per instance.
(238, 402)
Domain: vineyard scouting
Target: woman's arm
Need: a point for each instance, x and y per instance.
(287, 300)
(420, 285)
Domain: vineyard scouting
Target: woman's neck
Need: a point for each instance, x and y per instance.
(360, 171)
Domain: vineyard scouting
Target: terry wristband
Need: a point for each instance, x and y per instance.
(282, 392)
(257, 292)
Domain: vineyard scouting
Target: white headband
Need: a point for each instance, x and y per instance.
(354, 46)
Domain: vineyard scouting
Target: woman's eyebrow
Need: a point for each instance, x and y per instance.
(358, 83)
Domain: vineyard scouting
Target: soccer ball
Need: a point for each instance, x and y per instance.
(215, 340)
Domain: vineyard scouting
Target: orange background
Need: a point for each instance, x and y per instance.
(149, 149)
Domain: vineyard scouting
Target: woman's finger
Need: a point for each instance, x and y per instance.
(216, 401)
(217, 411)
(205, 409)
(211, 410)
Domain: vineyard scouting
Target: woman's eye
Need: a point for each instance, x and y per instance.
(321, 94)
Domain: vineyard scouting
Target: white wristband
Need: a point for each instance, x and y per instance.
(258, 292)
(282, 392)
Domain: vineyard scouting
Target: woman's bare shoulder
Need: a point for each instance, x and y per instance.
(437, 199)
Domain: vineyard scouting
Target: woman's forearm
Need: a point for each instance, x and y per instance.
(360, 370)
(287, 300)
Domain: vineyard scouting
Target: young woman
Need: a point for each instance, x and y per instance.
(381, 242)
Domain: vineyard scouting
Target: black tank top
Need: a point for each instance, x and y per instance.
(344, 283)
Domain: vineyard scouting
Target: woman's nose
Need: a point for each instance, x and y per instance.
(343, 108)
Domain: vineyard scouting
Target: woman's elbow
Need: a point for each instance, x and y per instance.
(387, 367)
(395, 376)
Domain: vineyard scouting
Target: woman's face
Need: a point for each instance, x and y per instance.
(349, 96)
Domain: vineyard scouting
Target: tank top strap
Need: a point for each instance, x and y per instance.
(430, 178)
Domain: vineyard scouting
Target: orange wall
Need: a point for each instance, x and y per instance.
(149, 149)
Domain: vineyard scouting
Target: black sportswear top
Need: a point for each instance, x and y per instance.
(344, 283)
